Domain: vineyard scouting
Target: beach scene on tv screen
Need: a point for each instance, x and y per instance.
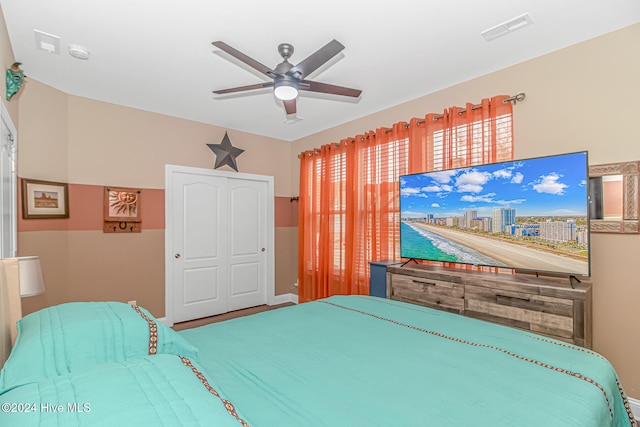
(527, 215)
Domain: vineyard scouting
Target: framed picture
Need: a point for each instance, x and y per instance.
(122, 204)
(44, 199)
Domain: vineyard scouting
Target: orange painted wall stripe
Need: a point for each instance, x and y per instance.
(86, 211)
(286, 212)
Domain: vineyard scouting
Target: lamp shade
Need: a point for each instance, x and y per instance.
(30, 276)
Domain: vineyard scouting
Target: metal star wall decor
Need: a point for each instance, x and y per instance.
(225, 153)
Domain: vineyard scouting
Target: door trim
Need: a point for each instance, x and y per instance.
(11, 149)
(168, 243)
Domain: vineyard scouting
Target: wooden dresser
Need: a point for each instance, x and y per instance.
(544, 305)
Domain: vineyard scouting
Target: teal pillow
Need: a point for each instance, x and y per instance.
(72, 336)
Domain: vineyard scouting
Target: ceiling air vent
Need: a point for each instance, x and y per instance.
(507, 27)
(47, 42)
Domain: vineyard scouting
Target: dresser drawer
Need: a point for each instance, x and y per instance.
(553, 306)
(547, 315)
(437, 294)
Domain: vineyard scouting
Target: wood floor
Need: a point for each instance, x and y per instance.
(226, 316)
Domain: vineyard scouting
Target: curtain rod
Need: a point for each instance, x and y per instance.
(513, 99)
(520, 96)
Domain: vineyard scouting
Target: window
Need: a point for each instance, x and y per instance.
(349, 192)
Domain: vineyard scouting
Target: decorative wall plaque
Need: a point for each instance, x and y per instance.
(122, 210)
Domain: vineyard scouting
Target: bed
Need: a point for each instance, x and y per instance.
(340, 361)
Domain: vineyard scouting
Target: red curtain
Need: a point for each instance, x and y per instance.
(349, 211)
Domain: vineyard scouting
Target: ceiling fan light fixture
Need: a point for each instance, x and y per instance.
(285, 90)
(289, 79)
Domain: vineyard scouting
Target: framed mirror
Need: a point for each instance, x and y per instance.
(613, 197)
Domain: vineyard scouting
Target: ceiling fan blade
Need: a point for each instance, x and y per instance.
(328, 88)
(290, 106)
(316, 59)
(244, 58)
(243, 88)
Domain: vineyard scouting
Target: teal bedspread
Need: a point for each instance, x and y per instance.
(364, 361)
(159, 390)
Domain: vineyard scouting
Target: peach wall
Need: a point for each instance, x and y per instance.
(89, 265)
(78, 140)
(105, 137)
(578, 98)
(53, 248)
(43, 134)
(287, 251)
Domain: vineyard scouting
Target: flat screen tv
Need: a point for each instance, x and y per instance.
(528, 215)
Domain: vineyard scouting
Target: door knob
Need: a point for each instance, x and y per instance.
(177, 256)
(262, 249)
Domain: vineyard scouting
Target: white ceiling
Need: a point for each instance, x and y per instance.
(156, 55)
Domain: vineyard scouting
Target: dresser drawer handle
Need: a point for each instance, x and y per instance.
(424, 283)
(510, 297)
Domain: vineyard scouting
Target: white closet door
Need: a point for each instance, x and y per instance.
(199, 246)
(247, 243)
(219, 242)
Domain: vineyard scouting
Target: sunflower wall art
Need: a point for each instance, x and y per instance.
(122, 210)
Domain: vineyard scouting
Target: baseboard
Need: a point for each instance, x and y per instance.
(635, 407)
(284, 298)
(278, 299)
(164, 320)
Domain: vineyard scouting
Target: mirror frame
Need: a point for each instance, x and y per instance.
(629, 223)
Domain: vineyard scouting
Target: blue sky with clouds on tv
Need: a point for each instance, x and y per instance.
(545, 186)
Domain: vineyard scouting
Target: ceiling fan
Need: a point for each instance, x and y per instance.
(288, 79)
